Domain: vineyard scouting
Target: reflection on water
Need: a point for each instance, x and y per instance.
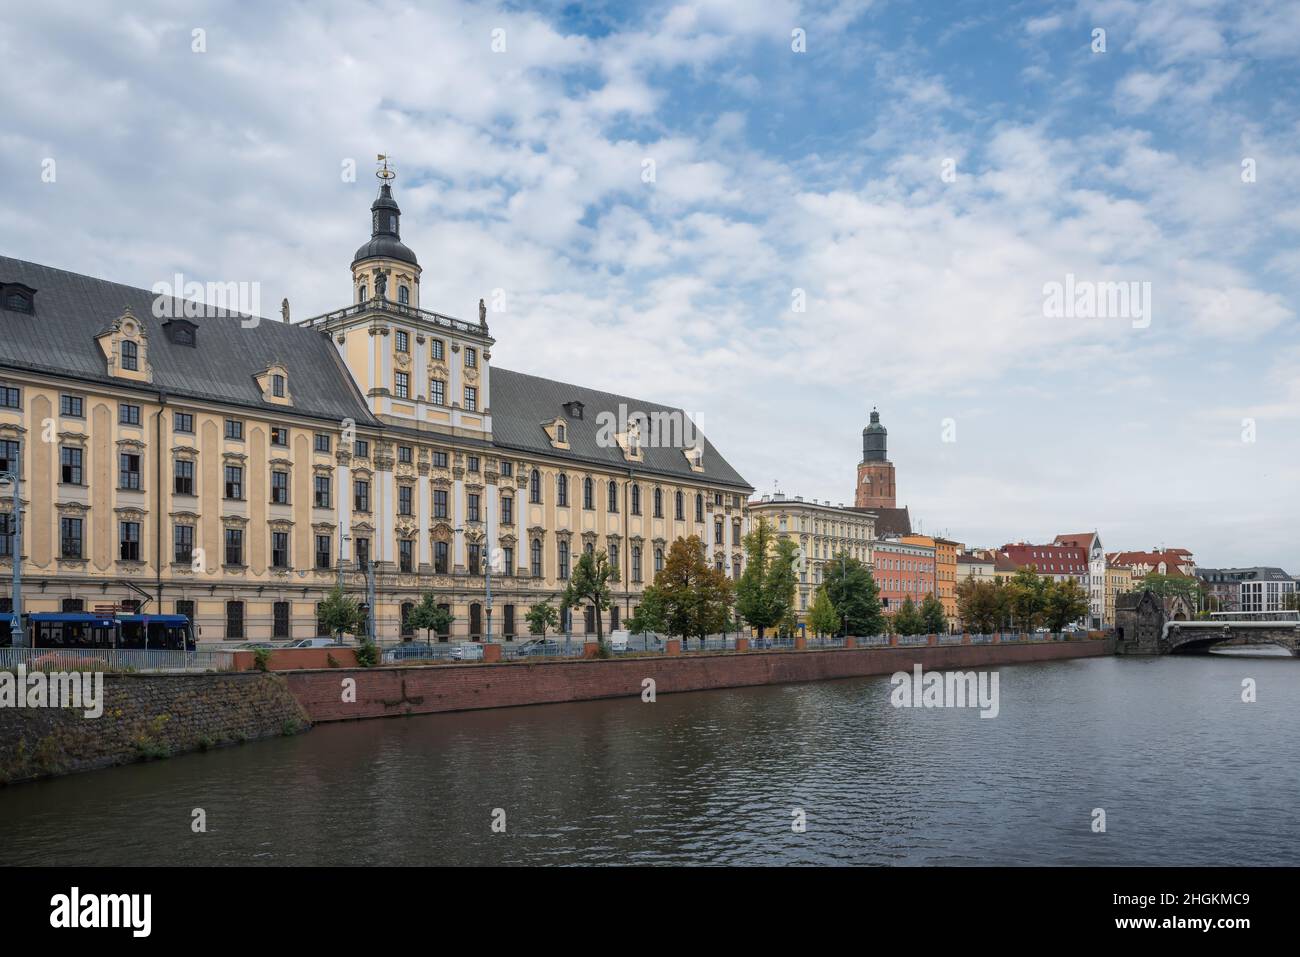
(1186, 772)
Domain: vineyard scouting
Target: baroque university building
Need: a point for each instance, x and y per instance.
(233, 469)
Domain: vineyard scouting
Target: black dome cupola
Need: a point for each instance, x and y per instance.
(874, 437)
(385, 226)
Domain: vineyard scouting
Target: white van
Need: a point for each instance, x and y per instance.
(467, 651)
(618, 640)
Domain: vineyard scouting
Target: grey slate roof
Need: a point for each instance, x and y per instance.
(890, 521)
(72, 309)
(522, 403)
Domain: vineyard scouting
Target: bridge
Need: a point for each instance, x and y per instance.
(1148, 624)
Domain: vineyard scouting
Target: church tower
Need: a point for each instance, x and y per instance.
(875, 488)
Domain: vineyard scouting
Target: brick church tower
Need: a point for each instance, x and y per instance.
(875, 488)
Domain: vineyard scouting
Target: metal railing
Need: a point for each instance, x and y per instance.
(114, 659)
(401, 310)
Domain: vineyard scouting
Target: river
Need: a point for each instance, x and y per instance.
(1185, 771)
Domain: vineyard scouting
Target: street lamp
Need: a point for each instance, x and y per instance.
(16, 637)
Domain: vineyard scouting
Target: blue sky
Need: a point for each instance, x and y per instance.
(775, 171)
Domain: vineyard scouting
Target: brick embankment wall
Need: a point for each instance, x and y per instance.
(147, 716)
(382, 692)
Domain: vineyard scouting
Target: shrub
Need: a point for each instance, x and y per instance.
(367, 654)
(261, 658)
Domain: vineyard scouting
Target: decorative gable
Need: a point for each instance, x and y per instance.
(695, 458)
(557, 430)
(126, 349)
(274, 384)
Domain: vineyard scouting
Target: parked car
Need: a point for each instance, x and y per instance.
(538, 646)
(618, 640)
(412, 651)
(313, 643)
(468, 651)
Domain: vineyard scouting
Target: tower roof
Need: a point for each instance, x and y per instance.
(385, 234)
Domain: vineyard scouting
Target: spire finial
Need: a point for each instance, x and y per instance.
(385, 172)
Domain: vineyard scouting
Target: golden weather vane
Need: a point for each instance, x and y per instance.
(384, 172)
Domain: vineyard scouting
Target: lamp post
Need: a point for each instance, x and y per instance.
(16, 636)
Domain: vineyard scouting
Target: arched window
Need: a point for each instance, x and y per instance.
(361, 293)
(613, 496)
(659, 560)
(588, 494)
(699, 507)
(560, 433)
(403, 295)
(535, 487)
(679, 506)
(130, 355)
(636, 563)
(562, 552)
(659, 503)
(636, 499)
(561, 490)
(535, 558)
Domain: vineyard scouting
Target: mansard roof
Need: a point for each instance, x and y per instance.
(522, 402)
(72, 309)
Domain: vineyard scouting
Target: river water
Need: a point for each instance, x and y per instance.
(1185, 771)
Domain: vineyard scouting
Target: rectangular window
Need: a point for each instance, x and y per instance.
(471, 357)
(234, 546)
(402, 385)
(507, 562)
(70, 462)
(129, 541)
(128, 470)
(440, 503)
(404, 493)
(6, 535)
(280, 619)
(128, 414)
(405, 555)
(439, 459)
(10, 398)
(471, 463)
(280, 488)
(234, 482)
(471, 507)
(234, 429)
(234, 619)
(70, 537)
(437, 348)
(279, 436)
(279, 549)
(185, 608)
(507, 510)
(183, 544)
(183, 477)
(404, 454)
(321, 442)
(437, 392)
(72, 406)
(130, 356)
(183, 422)
(440, 557)
(507, 469)
(360, 496)
(403, 341)
(471, 399)
(323, 551)
(361, 449)
(472, 553)
(717, 533)
(363, 553)
(322, 491)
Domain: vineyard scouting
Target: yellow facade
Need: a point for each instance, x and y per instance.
(1119, 579)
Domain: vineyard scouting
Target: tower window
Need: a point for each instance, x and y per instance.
(362, 293)
(403, 295)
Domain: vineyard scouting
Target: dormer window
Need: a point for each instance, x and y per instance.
(15, 297)
(277, 386)
(561, 433)
(130, 356)
(573, 409)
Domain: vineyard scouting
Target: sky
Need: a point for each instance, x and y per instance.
(774, 215)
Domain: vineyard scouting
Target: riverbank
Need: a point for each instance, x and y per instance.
(146, 716)
(343, 694)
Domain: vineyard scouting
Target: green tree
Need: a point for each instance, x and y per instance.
(428, 617)
(540, 617)
(340, 613)
(765, 592)
(1066, 602)
(823, 619)
(649, 614)
(907, 620)
(933, 620)
(695, 596)
(589, 584)
(1187, 587)
(853, 591)
(1028, 597)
